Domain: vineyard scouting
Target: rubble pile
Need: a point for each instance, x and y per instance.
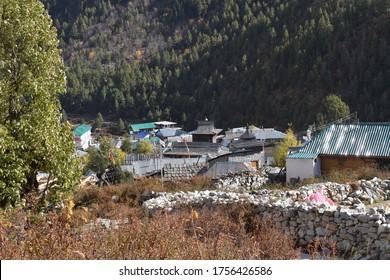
(242, 182)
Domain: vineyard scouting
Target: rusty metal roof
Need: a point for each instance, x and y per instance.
(363, 139)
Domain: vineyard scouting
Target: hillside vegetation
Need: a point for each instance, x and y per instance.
(236, 62)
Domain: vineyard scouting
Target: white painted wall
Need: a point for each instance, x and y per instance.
(83, 140)
(303, 168)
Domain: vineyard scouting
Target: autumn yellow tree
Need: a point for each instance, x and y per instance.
(280, 152)
(144, 147)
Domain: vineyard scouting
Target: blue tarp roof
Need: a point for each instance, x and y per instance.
(142, 135)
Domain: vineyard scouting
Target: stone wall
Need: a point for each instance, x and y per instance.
(359, 232)
(181, 171)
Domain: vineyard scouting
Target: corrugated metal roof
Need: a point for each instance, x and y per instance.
(224, 168)
(142, 135)
(81, 129)
(169, 132)
(265, 135)
(140, 126)
(364, 139)
(302, 155)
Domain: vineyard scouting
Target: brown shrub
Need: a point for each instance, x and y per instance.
(217, 234)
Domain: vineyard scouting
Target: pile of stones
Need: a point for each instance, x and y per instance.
(242, 182)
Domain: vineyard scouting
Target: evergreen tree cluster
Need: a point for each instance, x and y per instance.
(267, 62)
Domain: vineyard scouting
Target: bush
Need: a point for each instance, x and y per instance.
(225, 233)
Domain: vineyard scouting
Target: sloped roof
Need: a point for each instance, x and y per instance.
(247, 135)
(81, 129)
(164, 123)
(264, 134)
(206, 127)
(193, 149)
(247, 145)
(142, 135)
(139, 126)
(224, 168)
(302, 155)
(364, 139)
(169, 132)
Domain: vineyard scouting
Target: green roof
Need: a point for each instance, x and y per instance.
(302, 155)
(141, 126)
(81, 129)
(364, 139)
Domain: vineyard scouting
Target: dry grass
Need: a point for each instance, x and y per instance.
(367, 172)
(100, 199)
(225, 233)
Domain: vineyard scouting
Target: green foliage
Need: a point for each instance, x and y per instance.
(99, 159)
(64, 116)
(121, 126)
(33, 139)
(98, 121)
(335, 108)
(126, 146)
(144, 147)
(12, 171)
(280, 151)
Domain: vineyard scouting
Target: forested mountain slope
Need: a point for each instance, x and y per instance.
(267, 62)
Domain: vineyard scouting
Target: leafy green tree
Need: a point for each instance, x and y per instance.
(33, 139)
(280, 152)
(144, 147)
(99, 159)
(126, 146)
(107, 158)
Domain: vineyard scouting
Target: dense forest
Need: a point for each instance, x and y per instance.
(262, 62)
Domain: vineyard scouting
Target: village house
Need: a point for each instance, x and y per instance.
(340, 146)
(170, 134)
(82, 136)
(206, 132)
(193, 150)
(203, 143)
(165, 124)
(245, 152)
(254, 138)
(139, 127)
